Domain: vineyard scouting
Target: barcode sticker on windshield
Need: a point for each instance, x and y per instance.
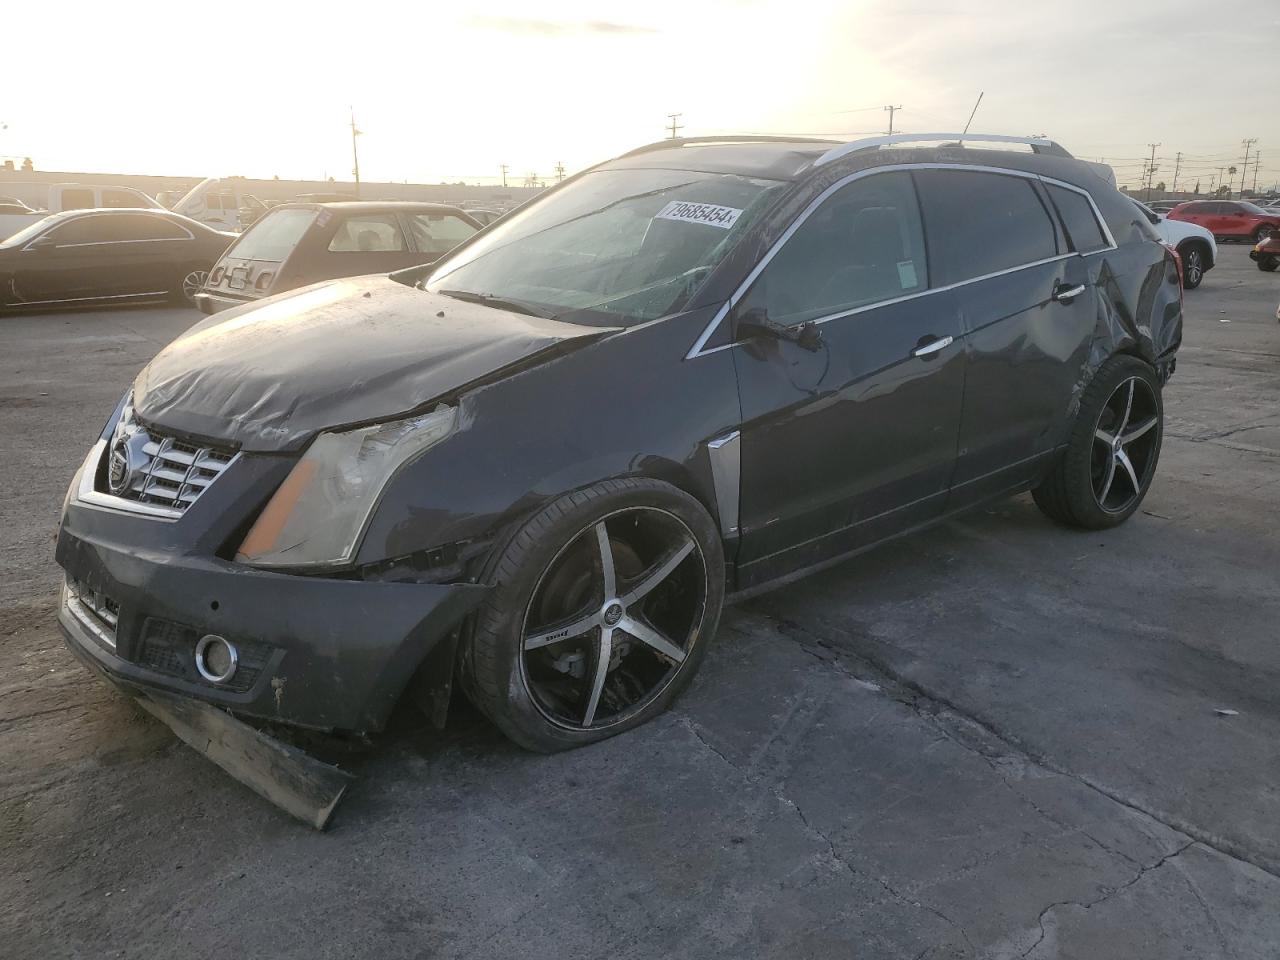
(708, 213)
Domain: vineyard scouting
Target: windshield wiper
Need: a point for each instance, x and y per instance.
(499, 303)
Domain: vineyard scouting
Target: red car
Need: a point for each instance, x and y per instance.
(1229, 219)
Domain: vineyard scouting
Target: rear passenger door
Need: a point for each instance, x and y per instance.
(1028, 315)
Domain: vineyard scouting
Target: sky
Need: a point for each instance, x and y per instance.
(447, 92)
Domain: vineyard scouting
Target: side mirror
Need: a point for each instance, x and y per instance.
(43, 243)
(755, 324)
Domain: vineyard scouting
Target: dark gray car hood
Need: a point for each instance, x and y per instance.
(269, 376)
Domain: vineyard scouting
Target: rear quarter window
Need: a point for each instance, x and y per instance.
(1076, 211)
(273, 237)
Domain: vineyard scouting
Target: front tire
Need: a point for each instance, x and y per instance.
(1268, 262)
(602, 609)
(1114, 446)
(1262, 233)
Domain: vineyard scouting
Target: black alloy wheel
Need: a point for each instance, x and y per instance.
(1124, 446)
(602, 607)
(613, 618)
(1112, 451)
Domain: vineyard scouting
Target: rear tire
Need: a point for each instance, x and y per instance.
(1193, 264)
(188, 285)
(584, 635)
(1097, 483)
(1268, 262)
(1262, 233)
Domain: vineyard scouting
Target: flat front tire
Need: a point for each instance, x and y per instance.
(1114, 446)
(602, 609)
(1268, 262)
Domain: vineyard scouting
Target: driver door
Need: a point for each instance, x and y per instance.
(852, 439)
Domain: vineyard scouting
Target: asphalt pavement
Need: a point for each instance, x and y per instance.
(999, 738)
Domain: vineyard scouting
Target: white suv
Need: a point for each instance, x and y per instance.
(1195, 244)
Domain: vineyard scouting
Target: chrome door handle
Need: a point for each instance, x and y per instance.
(1067, 294)
(932, 347)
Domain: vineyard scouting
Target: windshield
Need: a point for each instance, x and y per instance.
(625, 245)
(32, 231)
(274, 236)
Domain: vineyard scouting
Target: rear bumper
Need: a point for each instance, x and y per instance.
(316, 652)
(211, 303)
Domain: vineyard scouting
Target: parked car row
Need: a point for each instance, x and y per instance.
(124, 255)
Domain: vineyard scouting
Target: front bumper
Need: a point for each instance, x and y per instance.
(316, 652)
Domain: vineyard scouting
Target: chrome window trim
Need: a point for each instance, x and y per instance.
(100, 243)
(697, 349)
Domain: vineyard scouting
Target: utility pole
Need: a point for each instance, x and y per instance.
(673, 117)
(893, 110)
(1151, 167)
(504, 168)
(1257, 162)
(1248, 145)
(1177, 165)
(559, 171)
(355, 154)
(1218, 182)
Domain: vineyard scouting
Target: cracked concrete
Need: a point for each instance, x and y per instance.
(997, 739)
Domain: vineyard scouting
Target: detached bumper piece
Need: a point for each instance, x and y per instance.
(297, 783)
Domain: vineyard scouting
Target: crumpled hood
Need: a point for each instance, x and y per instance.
(268, 377)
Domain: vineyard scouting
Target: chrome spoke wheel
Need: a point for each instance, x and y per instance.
(1124, 444)
(613, 617)
(192, 283)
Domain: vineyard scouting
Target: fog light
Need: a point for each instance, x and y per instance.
(216, 659)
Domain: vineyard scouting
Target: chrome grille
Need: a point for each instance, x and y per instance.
(151, 467)
(94, 609)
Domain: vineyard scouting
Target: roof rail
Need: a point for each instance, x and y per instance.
(726, 138)
(1037, 144)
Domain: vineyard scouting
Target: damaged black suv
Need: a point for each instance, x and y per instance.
(543, 463)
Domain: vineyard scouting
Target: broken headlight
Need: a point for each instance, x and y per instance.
(317, 516)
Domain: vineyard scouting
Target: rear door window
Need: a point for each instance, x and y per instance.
(863, 245)
(142, 227)
(273, 237)
(983, 223)
(1083, 230)
(438, 232)
(371, 233)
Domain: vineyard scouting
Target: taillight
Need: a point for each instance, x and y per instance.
(1177, 259)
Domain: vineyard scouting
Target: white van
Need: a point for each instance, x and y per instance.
(47, 198)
